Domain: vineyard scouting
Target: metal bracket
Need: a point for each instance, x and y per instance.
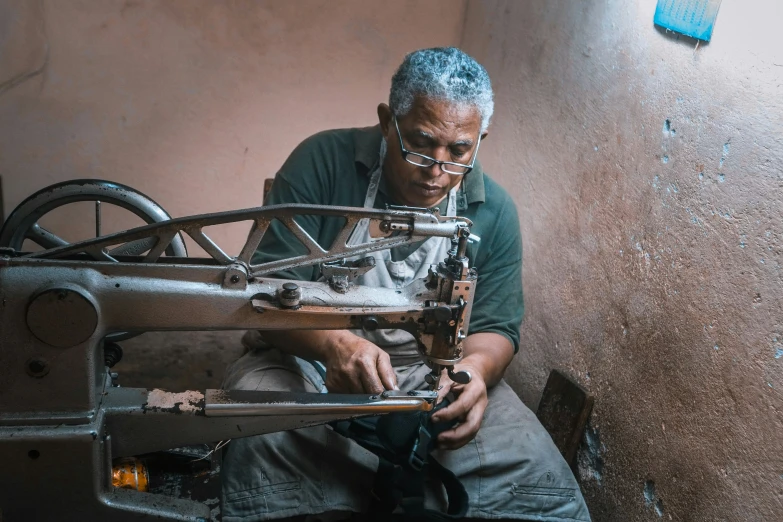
(340, 274)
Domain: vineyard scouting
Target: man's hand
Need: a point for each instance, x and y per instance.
(355, 365)
(468, 409)
(487, 355)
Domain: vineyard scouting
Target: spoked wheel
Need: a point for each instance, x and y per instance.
(23, 224)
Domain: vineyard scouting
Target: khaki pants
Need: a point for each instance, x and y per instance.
(512, 469)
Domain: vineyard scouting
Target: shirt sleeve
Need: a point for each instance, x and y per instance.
(498, 305)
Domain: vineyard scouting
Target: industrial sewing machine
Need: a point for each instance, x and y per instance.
(63, 421)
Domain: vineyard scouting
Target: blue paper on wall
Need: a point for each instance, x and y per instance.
(694, 18)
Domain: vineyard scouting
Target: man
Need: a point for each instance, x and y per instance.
(422, 154)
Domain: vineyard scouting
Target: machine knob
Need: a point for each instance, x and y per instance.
(460, 377)
(290, 295)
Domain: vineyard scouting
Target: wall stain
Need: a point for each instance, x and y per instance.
(651, 498)
(590, 460)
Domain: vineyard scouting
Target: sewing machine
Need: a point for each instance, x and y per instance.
(63, 309)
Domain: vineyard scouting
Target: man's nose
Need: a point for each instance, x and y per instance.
(434, 170)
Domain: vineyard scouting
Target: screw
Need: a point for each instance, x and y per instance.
(37, 367)
(33, 454)
(235, 279)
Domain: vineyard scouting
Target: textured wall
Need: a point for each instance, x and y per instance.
(648, 174)
(193, 103)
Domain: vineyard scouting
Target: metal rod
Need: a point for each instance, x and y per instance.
(97, 219)
(462, 245)
(232, 403)
(44, 238)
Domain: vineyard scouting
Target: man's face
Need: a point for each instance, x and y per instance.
(438, 129)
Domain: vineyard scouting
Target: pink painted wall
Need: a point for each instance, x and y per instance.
(193, 103)
(652, 250)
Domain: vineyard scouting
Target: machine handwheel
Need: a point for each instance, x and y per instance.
(23, 222)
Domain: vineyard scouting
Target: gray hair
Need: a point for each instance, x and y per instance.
(443, 73)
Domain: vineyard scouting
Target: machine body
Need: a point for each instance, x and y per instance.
(61, 414)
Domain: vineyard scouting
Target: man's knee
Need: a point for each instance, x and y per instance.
(271, 370)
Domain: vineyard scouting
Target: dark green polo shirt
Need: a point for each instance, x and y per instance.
(333, 167)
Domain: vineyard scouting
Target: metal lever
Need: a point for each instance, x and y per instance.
(460, 377)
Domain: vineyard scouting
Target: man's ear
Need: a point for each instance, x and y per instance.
(384, 118)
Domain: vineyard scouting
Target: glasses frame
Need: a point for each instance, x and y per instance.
(433, 161)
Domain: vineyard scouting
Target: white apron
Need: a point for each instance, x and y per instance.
(400, 344)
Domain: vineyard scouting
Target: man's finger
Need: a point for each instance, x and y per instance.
(370, 381)
(464, 432)
(386, 373)
(344, 385)
(457, 409)
(457, 437)
(445, 388)
(355, 385)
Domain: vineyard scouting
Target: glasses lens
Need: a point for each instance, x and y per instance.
(451, 168)
(416, 159)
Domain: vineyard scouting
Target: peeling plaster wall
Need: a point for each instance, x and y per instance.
(648, 175)
(193, 103)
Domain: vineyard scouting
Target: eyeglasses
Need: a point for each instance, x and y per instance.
(420, 160)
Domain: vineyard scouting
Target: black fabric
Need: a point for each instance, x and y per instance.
(403, 442)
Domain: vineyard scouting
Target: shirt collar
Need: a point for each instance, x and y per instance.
(367, 144)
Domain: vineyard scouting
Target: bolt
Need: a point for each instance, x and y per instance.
(33, 454)
(370, 324)
(235, 279)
